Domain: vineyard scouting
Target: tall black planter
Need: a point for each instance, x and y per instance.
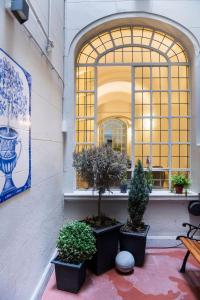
(69, 277)
(107, 248)
(135, 242)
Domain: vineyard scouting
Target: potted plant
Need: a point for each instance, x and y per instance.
(124, 185)
(134, 233)
(102, 168)
(180, 181)
(76, 244)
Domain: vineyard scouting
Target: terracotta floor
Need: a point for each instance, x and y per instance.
(159, 279)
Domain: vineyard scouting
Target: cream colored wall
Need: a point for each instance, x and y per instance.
(30, 221)
(178, 18)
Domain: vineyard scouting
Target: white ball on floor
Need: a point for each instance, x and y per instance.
(124, 262)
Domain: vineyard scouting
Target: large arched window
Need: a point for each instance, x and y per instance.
(142, 75)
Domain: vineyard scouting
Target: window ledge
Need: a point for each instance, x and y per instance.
(117, 196)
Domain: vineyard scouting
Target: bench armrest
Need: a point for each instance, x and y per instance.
(192, 229)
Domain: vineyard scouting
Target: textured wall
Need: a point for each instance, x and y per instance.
(30, 221)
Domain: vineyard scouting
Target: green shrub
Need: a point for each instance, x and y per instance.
(76, 242)
(124, 180)
(180, 180)
(138, 198)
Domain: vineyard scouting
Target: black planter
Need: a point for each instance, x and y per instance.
(69, 277)
(107, 248)
(135, 242)
(123, 188)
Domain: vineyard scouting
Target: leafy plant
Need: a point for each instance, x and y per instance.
(76, 242)
(13, 103)
(138, 199)
(101, 168)
(124, 180)
(180, 180)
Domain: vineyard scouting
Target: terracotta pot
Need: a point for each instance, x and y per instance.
(179, 189)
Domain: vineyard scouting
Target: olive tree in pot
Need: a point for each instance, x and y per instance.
(76, 244)
(134, 233)
(102, 168)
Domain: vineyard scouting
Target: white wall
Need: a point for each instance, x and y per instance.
(178, 17)
(31, 220)
(164, 216)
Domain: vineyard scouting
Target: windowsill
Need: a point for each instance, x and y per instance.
(157, 195)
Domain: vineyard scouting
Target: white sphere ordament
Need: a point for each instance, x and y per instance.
(124, 262)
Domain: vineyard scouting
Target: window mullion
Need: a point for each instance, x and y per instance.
(133, 118)
(170, 125)
(95, 105)
(151, 115)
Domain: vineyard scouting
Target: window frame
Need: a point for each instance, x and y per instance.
(168, 64)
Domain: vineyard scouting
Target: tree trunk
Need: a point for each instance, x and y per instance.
(99, 204)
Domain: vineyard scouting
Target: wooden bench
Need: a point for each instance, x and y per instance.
(192, 244)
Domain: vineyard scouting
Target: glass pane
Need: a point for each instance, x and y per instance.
(84, 131)
(160, 178)
(175, 84)
(85, 105)
(85, 78)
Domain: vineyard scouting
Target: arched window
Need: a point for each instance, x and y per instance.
(142, 75)
(113, 132)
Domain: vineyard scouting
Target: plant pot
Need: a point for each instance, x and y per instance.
(179, 189)
(135, 243)
(123, 188)
(107, 248)
(69, 277)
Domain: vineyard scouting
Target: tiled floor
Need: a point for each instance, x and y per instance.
(159, 279)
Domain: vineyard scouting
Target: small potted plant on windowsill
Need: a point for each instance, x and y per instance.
(124, 185)
(76, 244)
(102, 168)
(134, 233)
(179, 182)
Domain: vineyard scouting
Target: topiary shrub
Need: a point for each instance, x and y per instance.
(138, 199)
(76, 242)
(101, 168)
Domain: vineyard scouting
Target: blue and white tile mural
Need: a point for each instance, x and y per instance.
(15, 139)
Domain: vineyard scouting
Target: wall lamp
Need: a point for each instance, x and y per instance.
(18, 8)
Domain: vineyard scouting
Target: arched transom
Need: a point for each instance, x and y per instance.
(139, 44)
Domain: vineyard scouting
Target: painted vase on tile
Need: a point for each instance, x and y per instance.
(8, 156)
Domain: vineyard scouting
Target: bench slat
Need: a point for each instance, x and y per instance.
(192, 246)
